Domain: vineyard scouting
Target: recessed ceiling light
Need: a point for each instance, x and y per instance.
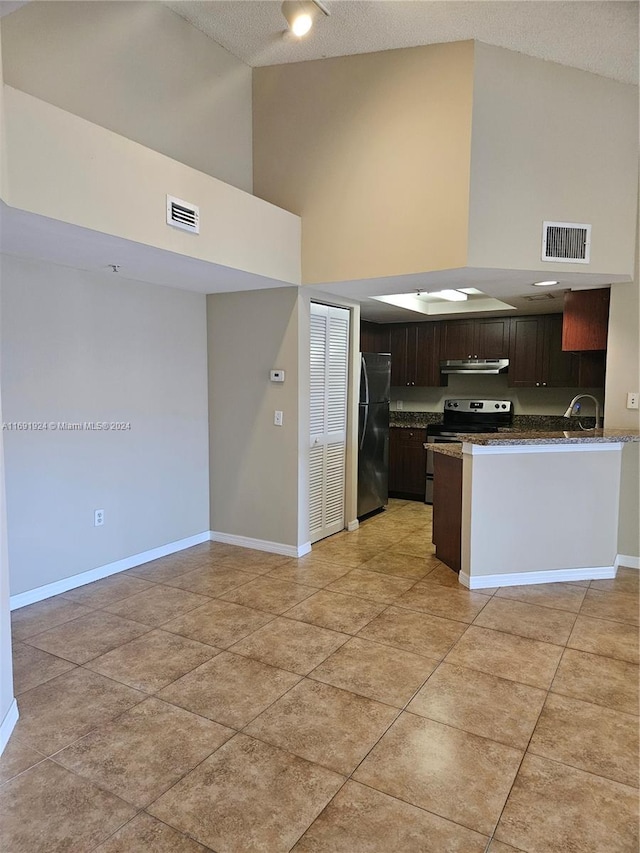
(544, 283)
(450, 295)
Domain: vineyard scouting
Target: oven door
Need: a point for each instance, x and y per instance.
(443, 438)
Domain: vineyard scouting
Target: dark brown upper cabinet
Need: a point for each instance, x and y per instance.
(374, 337)
(586, 320)
(415, 354)
(536, 356)
(483, 338)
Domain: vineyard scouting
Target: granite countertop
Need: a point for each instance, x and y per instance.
(591, 436)
(452, 448)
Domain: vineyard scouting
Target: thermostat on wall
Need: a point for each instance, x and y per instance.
(277, 375)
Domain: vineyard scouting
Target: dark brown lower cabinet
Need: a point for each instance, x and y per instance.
(407, 463)
(447, 509)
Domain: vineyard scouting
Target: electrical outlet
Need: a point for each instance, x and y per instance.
(98, 518)
(632, 400)
(277, 418)
(399, 405)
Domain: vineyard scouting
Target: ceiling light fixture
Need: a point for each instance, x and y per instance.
(544, 283)
(451, 295)
(300, 14)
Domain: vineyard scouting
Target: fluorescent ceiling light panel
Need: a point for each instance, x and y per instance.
(470, 291)
(450, 295)
(434, 307)
(544, 283)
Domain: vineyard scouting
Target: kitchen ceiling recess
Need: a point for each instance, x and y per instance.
(301, 14)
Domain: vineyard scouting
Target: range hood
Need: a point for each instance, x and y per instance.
(475, 365)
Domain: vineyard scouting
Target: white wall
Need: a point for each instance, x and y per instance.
(82, 347)
(257, 468)
(6, 675)
(140, 70)
(623, 355)
(71, 170)
(544, 510)
(550, 143)
(373, 151)
(623, 375)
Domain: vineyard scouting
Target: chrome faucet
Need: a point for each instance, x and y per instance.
(574, 409)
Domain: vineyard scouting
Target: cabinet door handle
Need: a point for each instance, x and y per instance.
(544, 383)
(537, 384)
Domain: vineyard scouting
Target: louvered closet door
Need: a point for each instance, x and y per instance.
(328, 422)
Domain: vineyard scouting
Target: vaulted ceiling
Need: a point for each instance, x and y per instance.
(601, 37)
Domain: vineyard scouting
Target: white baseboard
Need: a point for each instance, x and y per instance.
(525, 578)
(627, 561)
(64, 585)
(7, 725)
(261, 544)
(353, 525)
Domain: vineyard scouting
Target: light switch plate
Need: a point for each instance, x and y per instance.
(632, 400)
(399, 405)
(277, 418)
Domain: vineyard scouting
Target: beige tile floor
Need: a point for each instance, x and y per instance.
(357, 700)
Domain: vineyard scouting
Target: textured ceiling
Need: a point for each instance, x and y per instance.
(601, 37)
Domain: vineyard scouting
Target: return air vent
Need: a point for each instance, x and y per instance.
(540, 297)
(183, 214)
(566, 242)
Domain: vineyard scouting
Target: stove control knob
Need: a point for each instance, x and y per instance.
(455, 405)
(497, 405)
(504, 405)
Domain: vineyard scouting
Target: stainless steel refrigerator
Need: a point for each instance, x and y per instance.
(373, 432)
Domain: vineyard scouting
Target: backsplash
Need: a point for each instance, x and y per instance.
(536, 423)
(526, 401)
(521, 423)
(414, 420)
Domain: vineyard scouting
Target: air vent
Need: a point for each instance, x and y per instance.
(566, 242)
(183, 214)
(540, 297)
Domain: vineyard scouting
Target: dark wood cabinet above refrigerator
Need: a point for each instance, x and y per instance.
(415, 354)
(374, 337)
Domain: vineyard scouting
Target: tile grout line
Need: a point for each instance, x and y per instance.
(309, 674)
(526, 749)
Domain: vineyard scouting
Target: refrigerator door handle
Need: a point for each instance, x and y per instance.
(364, 379)
(365, 376)
(364, 424)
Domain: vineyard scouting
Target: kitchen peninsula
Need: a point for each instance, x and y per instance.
(530, 507)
